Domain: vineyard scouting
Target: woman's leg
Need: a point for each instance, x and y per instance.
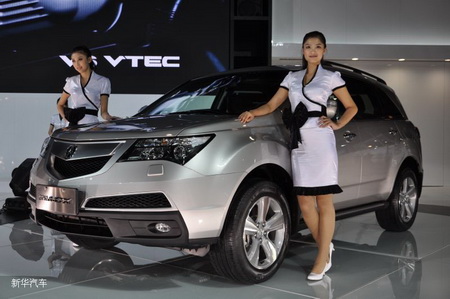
(320, 220)
(327, 220)
(310, 214)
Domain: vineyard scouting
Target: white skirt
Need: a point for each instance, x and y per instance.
(315, 162)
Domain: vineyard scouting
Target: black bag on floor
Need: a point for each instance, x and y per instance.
(21, 177)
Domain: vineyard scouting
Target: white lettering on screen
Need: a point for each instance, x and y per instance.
(137, 61)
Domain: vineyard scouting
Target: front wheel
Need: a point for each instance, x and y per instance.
(403, 203)
(256, 235)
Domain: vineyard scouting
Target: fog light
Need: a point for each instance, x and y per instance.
(163, 227)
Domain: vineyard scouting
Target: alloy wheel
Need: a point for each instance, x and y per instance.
(264, 232)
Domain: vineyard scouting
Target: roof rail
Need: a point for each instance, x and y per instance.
(355, 70)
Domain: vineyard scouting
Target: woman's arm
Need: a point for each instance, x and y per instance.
(279, 97)
(50, 129)
(61, 103)
(350, 110)
(104, 109)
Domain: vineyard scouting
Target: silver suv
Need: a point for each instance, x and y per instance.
(184, 172)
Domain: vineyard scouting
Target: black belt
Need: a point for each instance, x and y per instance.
(75, 115)
(92, 112)
(296, 120)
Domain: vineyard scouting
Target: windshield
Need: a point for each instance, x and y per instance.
(231, 94)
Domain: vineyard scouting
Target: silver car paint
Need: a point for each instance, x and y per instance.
(202, 189)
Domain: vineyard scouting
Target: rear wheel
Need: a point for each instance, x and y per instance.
(256, 235)
(403, 203)
(92, 243)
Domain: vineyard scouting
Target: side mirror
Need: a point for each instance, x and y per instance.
(332, 106)
(142, 108)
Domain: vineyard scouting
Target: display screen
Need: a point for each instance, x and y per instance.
(142, 46)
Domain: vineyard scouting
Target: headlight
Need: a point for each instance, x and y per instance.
(176, 149)
(44, 147)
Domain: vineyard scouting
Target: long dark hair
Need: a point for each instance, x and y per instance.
(84, 50)
(312, 34)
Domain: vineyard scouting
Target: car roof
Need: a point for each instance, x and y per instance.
(327, 64)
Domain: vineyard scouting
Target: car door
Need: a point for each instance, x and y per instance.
(378, 139)
(349, 165)
(349, 157)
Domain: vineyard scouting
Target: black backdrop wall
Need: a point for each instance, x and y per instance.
(251, 33)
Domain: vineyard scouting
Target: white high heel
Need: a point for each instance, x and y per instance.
(328, 264)
(315, 276)
(319, 276)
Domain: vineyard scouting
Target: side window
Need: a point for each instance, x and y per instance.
(366, 99)
(390, 110)
(243, 100)
(252, 91)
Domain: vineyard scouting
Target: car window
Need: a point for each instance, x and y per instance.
(186, 103)
(224, 95)
(390, 110)
(372, 101)
(198, 95)
(366, 99)
(243, 100)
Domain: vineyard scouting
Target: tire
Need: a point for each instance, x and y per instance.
(403, 203)
(256, 235)
(92, 243)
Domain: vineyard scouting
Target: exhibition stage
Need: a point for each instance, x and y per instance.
(36, 262)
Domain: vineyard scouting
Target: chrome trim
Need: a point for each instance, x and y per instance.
(85, 149)
(131, 210)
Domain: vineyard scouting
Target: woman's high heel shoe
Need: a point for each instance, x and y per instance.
(328, 265)
(319, 276)
(315, 276)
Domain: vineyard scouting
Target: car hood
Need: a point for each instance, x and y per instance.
(145, 127)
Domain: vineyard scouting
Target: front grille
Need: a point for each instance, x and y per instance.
(76, 168)
(20, 11)
(134, 201)
(92, 226)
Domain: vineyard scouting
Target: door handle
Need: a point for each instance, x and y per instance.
(393, 132)
(349, 136)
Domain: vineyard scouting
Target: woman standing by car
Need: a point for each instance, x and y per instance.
(313, 155)
(86, 93)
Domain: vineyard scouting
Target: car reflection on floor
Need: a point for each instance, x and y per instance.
(118, 269)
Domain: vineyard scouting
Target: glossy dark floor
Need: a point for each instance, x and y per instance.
(368, 263)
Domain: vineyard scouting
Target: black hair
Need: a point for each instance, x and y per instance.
(312, 34)
(84, 50)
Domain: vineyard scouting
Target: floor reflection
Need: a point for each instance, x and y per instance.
(367, 261)
(395, 256)
(323, 289)
(27, 240)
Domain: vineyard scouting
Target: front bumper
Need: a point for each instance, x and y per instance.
(195, 208)
(123, 227)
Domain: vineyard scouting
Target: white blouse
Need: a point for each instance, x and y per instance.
(96, 86)
(321, 86)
